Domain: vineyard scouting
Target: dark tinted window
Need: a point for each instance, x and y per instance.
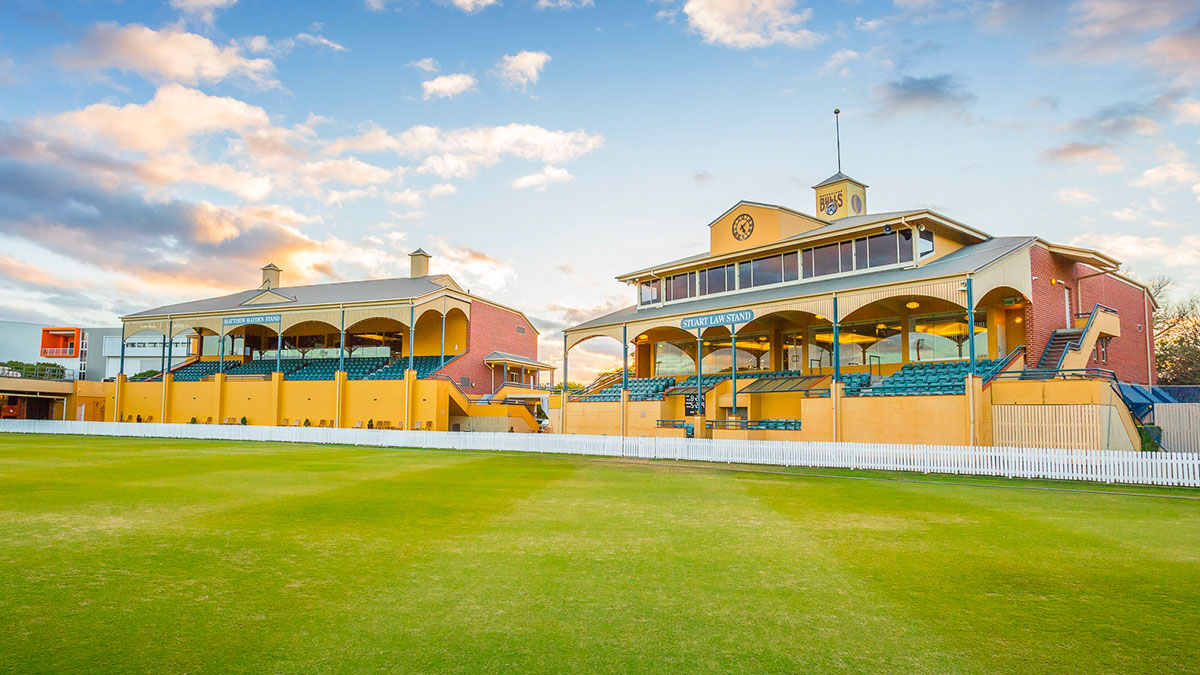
(860, 254)
(847, 252)
(825, 260)
(768, 270)
(882, 249)
(806, 263)
(791, 269)
(906, 253)
(716, 280)
(744, 275)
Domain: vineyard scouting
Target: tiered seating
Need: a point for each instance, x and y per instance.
(855, 382)
(704, 381)
(424, 365)
(324, 369)
(640, 389)
(709, 380)
(194, 372)
(774, 425)
(264, 367)
(926, 379)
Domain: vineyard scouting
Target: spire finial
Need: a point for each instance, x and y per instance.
(838, 132)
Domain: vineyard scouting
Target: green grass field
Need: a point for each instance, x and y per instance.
(121, 555)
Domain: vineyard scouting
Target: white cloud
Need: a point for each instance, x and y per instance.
(563, 4)
(1174, 172)
(459, 153)
(475, 270)
(1188, 112)
(168, 55)
(181, 168)
(1131, 247)
(1074, 196)
(744, 24)
(319, 41)
(406, 197)
(426, 64)
(522, 69)
(838, 62)
(166, 122)
(540, 180)
(205, 10)
(472, 6)
(442, 189)
(447, 86)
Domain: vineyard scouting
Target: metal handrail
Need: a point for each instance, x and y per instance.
(33, 371)
(671, 424)
(1076, 345)
(1046, 374)
(1002, 364)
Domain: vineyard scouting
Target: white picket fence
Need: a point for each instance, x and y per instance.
(1108, 466)
(1180, 423)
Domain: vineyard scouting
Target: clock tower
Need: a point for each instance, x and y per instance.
(840, 196)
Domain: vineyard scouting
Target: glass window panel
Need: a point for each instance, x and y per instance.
(768, 270)
(847, 253)
(744, 275)
(716, 280)
(860, 254)
(925, 245)
(674, 358)
(825, 260)
(656, 290)
(681, 287)
(870, 342)
(939, 337)
(703, 279)
(729, 278)
(820, 347)
(691, 284)
(647, 296)
(807, 265)
(882, 249)
(906, 253)
(791, 269)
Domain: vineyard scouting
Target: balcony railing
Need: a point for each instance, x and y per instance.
(37, 372)
(58, 351)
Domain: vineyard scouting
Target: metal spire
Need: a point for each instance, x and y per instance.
(838, 130)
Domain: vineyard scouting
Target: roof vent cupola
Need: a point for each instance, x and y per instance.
(840, 195)
(270, 277)
(418, 264)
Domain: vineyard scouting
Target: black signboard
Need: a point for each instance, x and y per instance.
(690, 406)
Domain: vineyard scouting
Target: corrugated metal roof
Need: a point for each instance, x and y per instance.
(515, 358)
(318, 294)
(966, 259)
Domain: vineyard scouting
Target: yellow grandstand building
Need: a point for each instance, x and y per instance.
(405, 353)
(905, 326)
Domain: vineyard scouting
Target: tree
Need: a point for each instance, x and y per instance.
(1176, 334)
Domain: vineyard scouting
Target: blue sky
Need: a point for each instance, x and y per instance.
(160, 151)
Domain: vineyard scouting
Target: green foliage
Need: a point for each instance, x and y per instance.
(243, 421)
(1176, 334)
(307, 423)
(144, 374)
(145, 555)
(193, 421)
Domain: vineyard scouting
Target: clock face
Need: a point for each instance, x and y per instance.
(743, 227)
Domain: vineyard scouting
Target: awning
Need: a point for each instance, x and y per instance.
(768, 385)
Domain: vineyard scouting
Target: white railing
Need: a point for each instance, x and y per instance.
(1108, 466)
(1180, 423)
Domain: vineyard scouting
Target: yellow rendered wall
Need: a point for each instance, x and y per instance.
(939, 420)
(193, 399)
(373, 400)
(253, 400)
(312, 401)
(142, 398)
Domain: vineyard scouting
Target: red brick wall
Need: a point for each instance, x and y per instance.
(490, 329)
(1127, 355)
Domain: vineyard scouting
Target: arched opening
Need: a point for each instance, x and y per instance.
(376, 338)
(1006, 311)
(906, 328)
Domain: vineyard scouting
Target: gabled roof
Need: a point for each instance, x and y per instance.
(505, 357)
(318, 294)
(837, 177)
(969, 258)
(761, 205)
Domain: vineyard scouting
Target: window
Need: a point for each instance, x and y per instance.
(652, 292)
(768, 270)
(826, 260)
(1100, 351)
(925, 245)
(860, 253)
(935, 337)
(678, 287)
(881, 249)
(730, 278)
(521, 330)
(906, 252)
(791, 270)
(847, 255)
(716, 280)
(744, 275)
(807, 263)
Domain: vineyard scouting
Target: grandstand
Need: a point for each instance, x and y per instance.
(900, 326)
(415, 352)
